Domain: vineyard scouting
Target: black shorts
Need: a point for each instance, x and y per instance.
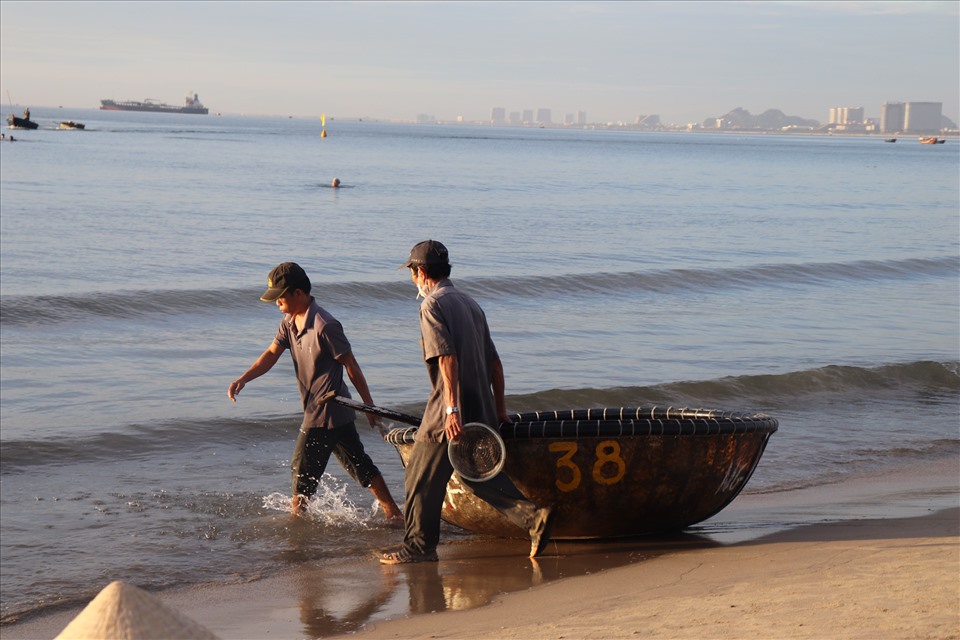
(312, 452)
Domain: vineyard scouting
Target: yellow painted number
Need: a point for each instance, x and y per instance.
(565, 462)
(608, 452)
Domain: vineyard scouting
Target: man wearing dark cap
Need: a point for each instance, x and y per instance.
(467, 382)
(321, 352)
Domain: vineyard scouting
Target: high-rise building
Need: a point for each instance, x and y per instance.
(911, 117)
(498, 115)
(582, 118)
(648, 122)
(922, 117)
(528, 116)
(846, 115)
(543, 116)
(891, 117)
(515, 117)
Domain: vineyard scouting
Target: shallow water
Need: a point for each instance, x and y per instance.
(814, 279)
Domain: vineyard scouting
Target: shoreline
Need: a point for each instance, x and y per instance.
(874, 557)
(856, 579)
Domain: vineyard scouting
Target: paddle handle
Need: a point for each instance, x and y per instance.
(369, 408)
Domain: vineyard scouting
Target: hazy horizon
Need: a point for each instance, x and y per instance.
(684, 61)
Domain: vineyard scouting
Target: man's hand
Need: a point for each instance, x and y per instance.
(453, 427)
(235, 388)
(263, 364)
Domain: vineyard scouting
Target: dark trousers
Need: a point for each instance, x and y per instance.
(425, 482)
(312, 452)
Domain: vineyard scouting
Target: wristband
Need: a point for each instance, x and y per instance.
(452, 410)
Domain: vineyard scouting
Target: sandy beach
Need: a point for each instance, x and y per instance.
(860, 579)
(879, 558)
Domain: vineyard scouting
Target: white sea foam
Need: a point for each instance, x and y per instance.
(330, 506)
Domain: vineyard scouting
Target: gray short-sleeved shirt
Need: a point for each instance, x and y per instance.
(452, 323)
(315, 351)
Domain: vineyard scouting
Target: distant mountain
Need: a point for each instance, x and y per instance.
(771, 119)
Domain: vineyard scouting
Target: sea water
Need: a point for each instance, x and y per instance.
(812, 278)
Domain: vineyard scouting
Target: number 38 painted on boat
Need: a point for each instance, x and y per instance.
(608, 467)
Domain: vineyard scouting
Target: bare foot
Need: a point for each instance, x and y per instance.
(396, 521)
(297, 505)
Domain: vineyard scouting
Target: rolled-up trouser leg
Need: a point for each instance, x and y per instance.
(309, 460)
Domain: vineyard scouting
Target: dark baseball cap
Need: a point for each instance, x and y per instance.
(284, 277)
(427, 252)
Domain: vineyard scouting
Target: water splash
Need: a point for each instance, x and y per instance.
(330, 506)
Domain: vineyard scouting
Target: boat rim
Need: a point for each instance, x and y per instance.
(620, 422)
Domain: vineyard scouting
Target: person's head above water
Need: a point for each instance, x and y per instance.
(335, 183)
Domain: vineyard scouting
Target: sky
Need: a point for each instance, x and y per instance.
(684, 61)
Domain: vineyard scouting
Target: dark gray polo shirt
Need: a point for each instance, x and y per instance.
(452, 323)
(315, 351)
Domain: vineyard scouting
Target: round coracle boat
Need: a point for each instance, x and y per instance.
(616, 471)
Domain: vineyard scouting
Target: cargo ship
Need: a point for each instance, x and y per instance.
(191, 105)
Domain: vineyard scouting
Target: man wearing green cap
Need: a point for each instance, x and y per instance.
(321, 353)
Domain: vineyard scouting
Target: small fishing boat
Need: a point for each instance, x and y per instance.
(15, 122)
(890, 140)
(616, 471)
(70, 124)
(931, 140)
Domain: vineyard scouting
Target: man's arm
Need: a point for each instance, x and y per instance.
(359, 381)
(450, 372)
(263, 364)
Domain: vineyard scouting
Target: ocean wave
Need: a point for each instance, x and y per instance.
(796, 392)
(140, 441)
(862, 462)
(56, 309)
(759, 392)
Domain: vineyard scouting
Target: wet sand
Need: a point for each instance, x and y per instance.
(879, 558)
(859, 579)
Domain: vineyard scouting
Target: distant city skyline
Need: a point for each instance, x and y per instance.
(615, 61)
(841, 115)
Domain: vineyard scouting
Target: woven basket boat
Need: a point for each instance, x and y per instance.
(616, 471)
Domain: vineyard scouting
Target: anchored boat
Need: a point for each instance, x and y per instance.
(616, 471)
(191, 104)
(15, 122)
